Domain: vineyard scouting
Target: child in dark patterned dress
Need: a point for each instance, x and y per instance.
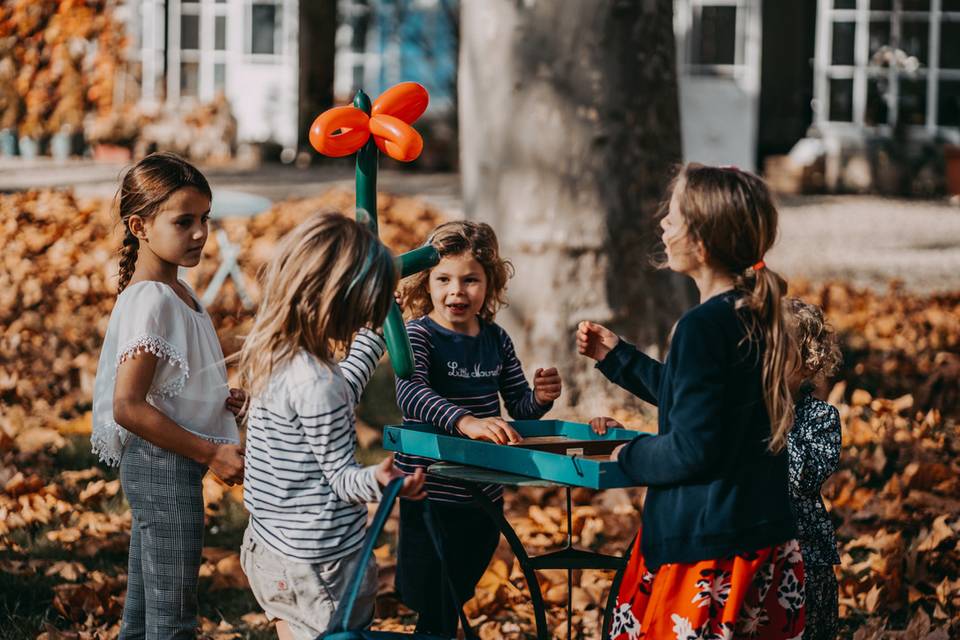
(813, 450)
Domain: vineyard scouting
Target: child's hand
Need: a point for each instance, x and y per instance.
(601, 424)
(412, 484)
(227, 463)
(615, 454)
(495, 430)
(595, 340)
(236, 403)
(546, 385)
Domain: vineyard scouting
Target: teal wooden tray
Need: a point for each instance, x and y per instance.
(564, 468)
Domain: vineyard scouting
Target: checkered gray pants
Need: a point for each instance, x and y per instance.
(165, 493)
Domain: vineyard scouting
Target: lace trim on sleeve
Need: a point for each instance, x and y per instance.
(162, 349)
(104, 441)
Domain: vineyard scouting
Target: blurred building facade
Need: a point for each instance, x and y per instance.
(263, 54)
(870, 87)
(189, 50)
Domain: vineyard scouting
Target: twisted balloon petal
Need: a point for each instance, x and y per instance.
(407, 101)
(396, 138)
(340, 131)
(353, 125)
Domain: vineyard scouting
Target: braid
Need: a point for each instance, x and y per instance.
(128, 258)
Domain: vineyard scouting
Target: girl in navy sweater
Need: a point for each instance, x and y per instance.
(717, 554)
(464, 363)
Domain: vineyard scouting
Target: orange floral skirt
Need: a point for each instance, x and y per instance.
(759, 594)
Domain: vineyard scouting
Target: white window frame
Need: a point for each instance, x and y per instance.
(206, 56)
(747, 42)
(279, 42)
(152, 20)
(861, 71)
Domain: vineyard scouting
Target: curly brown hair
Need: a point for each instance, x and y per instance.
(816, 338)
(455, 239)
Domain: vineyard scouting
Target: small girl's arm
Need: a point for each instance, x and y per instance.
(519, 399)
(416, 397)
(813, 449)
(132, 411)
(361, 361)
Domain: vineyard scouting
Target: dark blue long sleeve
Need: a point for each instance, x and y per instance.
(633, 370)
(714, 487)
(698, 435)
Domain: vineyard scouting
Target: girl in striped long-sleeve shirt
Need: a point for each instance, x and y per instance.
(464, 364)
(304, 489)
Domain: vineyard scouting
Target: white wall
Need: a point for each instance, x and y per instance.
(718, 122)
(264, 90)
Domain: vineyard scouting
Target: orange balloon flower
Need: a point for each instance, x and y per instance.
(340, 131)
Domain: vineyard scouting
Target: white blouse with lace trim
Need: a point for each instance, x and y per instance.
(190, 382)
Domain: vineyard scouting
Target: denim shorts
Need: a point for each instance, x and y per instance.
(305, 595)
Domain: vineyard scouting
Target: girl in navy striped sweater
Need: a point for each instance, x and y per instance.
(464, 363)
(304, 490)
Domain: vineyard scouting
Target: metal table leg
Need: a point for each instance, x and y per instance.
(568, 558)
(536, 596)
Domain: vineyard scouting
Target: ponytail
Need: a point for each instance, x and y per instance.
(732, 213)
(761, 295)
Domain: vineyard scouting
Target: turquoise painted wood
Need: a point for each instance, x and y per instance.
(427, 441)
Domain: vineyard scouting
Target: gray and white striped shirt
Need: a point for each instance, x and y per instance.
(303, 487)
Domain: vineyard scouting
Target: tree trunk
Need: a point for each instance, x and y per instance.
(317, 38)
(569, 127)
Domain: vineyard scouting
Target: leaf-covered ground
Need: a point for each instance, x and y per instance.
(64, 523)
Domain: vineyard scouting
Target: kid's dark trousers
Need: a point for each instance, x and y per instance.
(468, 538)
(821, 603)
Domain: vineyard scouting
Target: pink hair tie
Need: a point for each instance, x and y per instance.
(759, 265)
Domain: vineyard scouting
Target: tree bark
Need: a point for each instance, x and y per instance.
(317, 38)
(569, 130)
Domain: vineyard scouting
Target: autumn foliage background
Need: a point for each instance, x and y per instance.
(64, 524)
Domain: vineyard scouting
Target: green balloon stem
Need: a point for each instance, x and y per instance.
(395, 333)
(416, 261)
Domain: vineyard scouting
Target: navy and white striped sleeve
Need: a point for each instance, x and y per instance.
(518, 397)
(361, 361)
(325, 417)
(416, 398)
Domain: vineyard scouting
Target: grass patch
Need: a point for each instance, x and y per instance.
(77, 455)
(25, 602)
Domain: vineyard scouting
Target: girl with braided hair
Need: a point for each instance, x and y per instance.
(162, 409)
(717, 555)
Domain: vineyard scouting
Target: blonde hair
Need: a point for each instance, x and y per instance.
(330, 277)
(143, 190)
(732, 213)
(819, 349)
(454, 239)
